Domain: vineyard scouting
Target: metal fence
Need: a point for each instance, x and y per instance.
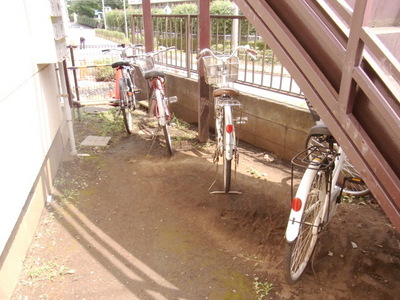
(226, 33)
(92, 76)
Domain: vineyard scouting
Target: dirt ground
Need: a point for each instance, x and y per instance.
(127, 221)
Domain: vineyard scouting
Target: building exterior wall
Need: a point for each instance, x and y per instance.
(32, 127)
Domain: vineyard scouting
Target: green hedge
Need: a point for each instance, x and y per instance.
(88, 21)
(115, 36)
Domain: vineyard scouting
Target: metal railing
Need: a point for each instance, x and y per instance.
(93, 69)
(226, 33)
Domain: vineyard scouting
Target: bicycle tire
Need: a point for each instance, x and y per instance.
(299, 251)
(125, 105)
(167, 139)
(227, 174)
(348, 170)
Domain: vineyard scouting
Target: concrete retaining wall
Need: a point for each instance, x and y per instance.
(273, 126)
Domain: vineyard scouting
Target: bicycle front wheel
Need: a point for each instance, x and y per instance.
(167, 139)
(299, 251)
(126, 105)
(227, 174)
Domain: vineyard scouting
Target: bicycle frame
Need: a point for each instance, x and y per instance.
(122, 72)
(158, 107)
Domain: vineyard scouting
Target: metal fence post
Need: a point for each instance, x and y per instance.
(204, 42)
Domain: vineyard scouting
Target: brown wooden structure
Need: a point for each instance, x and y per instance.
(344, 56)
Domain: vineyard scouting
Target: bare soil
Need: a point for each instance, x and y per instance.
(128, 221)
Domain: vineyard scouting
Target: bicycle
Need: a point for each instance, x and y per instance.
(220, 70)
(158, 101)
(355, 188)
(316, 199)
(124, 99)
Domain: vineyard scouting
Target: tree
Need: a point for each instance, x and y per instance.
(221, 7)
(185, 9)
(88, 7)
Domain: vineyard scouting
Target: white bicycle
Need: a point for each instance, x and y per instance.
(316, 198)
(220, 71)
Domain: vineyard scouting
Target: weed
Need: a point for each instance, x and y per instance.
(262, 288)
(47, 270)
(69, 196)
(256, 173)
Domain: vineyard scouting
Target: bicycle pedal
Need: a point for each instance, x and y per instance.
(241, 120)
(172, 99)
(137, 91)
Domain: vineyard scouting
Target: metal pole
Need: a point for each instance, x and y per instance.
(71, 50)
(235, 27)
(204, 42)
(126, 22)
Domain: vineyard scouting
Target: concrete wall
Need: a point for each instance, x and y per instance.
(274, 126)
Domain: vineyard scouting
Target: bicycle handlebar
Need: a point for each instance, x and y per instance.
(124, 47)
(251, 52)
(153, 53)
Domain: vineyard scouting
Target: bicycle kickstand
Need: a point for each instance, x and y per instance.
(220, 192)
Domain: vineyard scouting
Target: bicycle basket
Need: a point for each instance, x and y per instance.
(145, 63)
(215, 69)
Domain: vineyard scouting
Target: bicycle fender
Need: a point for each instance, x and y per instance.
(229, 137)
(293, 227)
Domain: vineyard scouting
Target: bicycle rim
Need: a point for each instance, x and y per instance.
(167, 139)
(298, 252)
(348, 170)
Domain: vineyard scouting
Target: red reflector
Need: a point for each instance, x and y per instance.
(229, 128)
(296, 204)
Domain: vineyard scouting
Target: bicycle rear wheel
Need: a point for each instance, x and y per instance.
(348, 170)
(299, 251)
(126, 105)
(227, 174)
(167, 138)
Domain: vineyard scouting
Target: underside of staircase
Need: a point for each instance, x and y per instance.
(344, 55)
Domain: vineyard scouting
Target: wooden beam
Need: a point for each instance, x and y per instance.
(148, 26)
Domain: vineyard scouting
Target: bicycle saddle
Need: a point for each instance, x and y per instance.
(120, 63)
(320, 129)
(153, 73)
(225, 91)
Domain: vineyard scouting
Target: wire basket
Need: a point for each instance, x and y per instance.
(221, 71)
(145, 63)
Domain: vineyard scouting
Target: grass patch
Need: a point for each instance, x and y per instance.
(47, 270)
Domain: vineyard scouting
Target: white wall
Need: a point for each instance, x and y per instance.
(30, 109)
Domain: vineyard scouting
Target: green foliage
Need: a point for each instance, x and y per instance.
(88, 21)
(114, 36)
(258, 45)
(85, 8)
(221, 7)
(103, 73)
(185, 9)
(88, 7)
(262, 288)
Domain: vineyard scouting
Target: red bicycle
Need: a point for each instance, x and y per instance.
(124, 98)
(158, 101)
